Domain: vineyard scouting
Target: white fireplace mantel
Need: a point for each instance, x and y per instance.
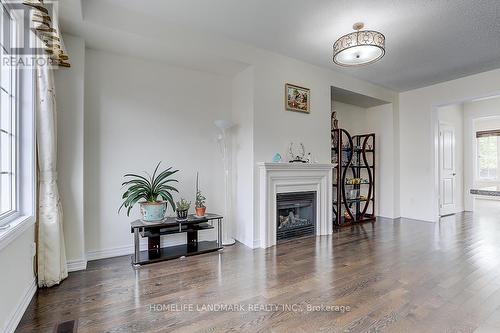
(293, 177)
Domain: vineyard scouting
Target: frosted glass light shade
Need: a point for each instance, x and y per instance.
(359, 48)
(223, 124)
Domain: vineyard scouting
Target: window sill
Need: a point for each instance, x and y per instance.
(17, 228)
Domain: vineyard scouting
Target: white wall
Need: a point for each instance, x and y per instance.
(478, 115)
(351, 117)
(418, 134)
(138, 113)
(453, 115)
(17, 279)
(379, 121)
(70, 145)
(243, 192)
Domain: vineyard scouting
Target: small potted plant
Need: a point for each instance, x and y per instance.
(200, 204)
(200, 201)
(154, 191)
(182, 208)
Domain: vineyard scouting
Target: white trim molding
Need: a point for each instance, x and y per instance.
(110, 253)
(277, 178)
(76, 265)
(21, 308)
(16, 228)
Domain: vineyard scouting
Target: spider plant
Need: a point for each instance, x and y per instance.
(148, 188)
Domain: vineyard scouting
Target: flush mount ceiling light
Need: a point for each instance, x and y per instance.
(362, 47)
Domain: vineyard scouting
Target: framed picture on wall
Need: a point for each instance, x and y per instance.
(297, 98)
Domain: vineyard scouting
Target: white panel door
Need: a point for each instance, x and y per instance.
(447, 172)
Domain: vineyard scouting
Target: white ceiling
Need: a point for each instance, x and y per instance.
(428, 41)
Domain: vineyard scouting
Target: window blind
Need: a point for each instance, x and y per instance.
(482, 134)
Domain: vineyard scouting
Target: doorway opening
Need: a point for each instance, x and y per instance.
(468, 156)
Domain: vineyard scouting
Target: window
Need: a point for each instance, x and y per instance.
(8, 122)
(487, 155)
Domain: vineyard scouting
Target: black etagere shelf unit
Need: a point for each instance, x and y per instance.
(353, 178)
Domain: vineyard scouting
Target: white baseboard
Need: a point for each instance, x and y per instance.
(115, 252)
(21, 307)
(110, 253)
(248, 243)
(77, 265)
(418, 220)
(129, 249)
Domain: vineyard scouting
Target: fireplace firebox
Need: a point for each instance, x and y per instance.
(296, 215)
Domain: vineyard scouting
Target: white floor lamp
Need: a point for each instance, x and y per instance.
(224, 136)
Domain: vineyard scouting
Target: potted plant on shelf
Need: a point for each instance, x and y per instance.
(182, 208)
(200, 201)
(154, 191)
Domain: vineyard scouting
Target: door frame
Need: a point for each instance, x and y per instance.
(434, 140)
(440, 125)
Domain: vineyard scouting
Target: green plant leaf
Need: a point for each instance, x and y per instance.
(166, 188)
(138, 187)
(135, 182)
(168, 197)
(154, 172)
(162, 177)
(131, 175)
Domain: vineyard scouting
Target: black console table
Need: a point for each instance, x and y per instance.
(170, 225)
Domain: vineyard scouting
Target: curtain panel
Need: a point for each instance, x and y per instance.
(51, 255)
(52, 267)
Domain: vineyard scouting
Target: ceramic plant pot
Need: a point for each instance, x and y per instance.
(182, 214)
(153, 211)
(200, 211)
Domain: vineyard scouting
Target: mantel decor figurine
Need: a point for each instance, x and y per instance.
(297, 157)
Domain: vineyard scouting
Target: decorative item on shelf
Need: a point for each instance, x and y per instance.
(277, 158)
(149, 189)
(297, 98)
(353, 194)
(335, 122)
(361, 47)
(356, 181)
(200, 201)
(182, 208)
(297, 157)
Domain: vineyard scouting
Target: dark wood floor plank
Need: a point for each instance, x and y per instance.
(394, 276)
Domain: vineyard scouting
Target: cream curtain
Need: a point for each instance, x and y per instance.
(52, 267)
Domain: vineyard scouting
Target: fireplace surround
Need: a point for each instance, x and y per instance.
(275, 178)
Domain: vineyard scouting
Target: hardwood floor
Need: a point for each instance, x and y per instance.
(395, 276)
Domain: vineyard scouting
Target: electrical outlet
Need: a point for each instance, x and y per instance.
(33, 249)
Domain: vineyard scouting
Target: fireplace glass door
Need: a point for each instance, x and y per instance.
(296, 214)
